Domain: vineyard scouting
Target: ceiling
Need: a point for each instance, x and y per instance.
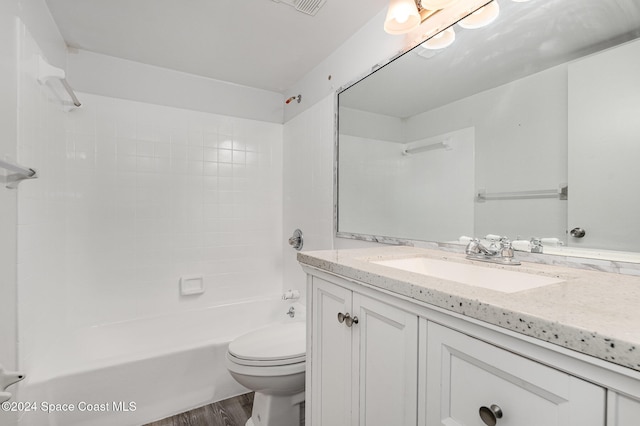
(257, 43)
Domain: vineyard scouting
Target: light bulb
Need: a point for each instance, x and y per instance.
(441, 40)
(402, 17)
(481, 17)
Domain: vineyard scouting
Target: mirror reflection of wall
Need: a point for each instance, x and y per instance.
(420, 189)
(604, 148)
(516, 87)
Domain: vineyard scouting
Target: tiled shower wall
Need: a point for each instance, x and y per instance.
(158, 193)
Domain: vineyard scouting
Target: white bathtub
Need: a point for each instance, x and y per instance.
(135, 372)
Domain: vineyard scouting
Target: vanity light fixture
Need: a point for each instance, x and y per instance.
(441, 40)
(481, 17)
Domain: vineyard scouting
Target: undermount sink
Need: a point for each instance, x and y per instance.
(477, 276)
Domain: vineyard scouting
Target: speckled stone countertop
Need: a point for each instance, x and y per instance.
(596, 313)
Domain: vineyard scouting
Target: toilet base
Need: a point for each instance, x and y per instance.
(275, 410)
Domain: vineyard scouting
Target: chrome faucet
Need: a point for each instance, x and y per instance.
(502, 254)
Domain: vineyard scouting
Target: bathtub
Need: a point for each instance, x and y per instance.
(135, 372)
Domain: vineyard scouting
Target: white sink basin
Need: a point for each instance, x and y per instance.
(506, 281)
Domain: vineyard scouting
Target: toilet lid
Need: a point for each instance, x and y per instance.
(284, 341)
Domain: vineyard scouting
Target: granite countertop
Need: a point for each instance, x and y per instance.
(596, 313)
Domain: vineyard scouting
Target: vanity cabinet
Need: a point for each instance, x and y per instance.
(469, 380)
(377, 358)
(364, 359)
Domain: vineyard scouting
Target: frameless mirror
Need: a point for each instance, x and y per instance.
(528, 127)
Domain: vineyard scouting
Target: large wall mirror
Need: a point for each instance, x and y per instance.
(528, 127)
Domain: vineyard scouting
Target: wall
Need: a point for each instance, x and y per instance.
(39, 20)
(420, 196)
(520, 145)
(120, 78)
(41, 211)
(8, 199)
(603, 88)
(157, 193)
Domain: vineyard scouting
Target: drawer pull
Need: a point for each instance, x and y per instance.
(342, 317)
(490, 415)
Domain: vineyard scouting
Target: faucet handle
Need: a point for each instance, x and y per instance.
(472, 247)
(536, 245)
(506, 249)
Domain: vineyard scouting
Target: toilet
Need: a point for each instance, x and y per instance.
(271, 362)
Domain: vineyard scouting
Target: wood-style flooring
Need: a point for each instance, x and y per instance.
(230, 412)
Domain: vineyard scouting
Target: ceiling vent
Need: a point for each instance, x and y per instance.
(310, 7)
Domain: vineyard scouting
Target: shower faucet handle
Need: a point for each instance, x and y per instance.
(296, 240)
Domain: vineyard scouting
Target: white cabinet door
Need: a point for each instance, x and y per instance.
(622, 410)
(364, 374)
(331, 356)
(386, 341)
(465, 374)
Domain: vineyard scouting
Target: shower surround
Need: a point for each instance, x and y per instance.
(130, 198)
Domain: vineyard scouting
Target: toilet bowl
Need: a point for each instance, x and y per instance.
(271, 362)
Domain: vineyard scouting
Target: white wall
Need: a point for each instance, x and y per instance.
(604, 148)
(8, 199)
(38, 18)
(371, 181)
(426, 196)
(521, 144)
(157, 193)
(120, 78)
(41, 211)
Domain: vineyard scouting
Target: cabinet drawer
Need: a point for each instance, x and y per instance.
(465, 374)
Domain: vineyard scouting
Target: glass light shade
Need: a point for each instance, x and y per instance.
(402, 17)
(441, 40)
(481, 17)
(437, 4)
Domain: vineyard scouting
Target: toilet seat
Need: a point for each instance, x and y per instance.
(276, 345)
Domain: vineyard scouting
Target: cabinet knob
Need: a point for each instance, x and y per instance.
(490, 415)
(350, 321)
(342, 317)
